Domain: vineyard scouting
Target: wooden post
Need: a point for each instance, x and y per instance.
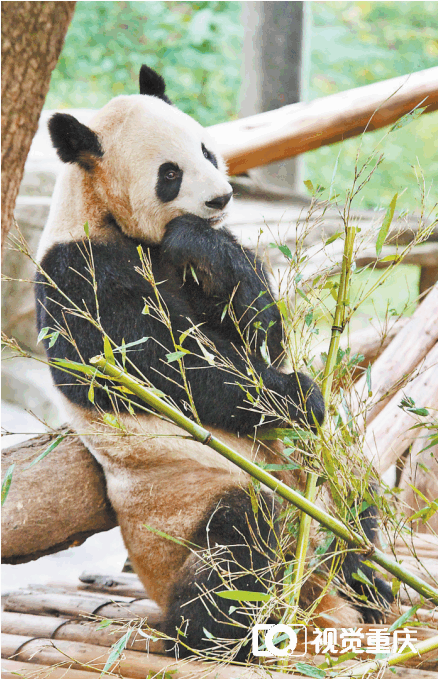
(273, 76)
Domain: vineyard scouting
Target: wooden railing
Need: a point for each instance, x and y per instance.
(295, 129)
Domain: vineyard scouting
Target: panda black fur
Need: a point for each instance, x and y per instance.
(146, 174)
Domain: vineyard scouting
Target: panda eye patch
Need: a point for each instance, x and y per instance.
(209, 155)
(168, 182)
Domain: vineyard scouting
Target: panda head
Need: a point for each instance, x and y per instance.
(141, 162)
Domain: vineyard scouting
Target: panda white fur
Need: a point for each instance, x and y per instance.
(144, 173)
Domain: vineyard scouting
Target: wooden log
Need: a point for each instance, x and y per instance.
(390, 433)
(421, 471)
(368, 342)
(86, 631)
(418, 543)
(45, 602)
(137, 664)
(288, 132)
(126, 584)
(12, 668)
(34, 626)
(132, 664)
(55, 504)
(399, 359)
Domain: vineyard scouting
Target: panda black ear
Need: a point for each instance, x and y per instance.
(73, 141)
(152, 83)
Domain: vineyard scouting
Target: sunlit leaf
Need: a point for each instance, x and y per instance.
(243, 595)
(48, 450)
(7, 483)
(383, 231)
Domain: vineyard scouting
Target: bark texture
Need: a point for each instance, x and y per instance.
(32, 38)
(55, 504)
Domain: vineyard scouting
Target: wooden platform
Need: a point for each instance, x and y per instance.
(70, 631)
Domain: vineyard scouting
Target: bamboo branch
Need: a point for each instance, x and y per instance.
(202, 435)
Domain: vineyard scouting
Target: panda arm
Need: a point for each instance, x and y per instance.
(226, 271)
(122, 292)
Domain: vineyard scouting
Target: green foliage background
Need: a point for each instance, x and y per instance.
(197, 48)
(194, 45)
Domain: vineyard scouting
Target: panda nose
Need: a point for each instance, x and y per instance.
(219, 202)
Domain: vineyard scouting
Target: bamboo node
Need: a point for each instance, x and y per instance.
(339, 328)
(369, 550)
(207, 439)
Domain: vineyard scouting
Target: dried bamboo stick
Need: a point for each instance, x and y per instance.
(390, 433)
(252, 143)
(400, 358)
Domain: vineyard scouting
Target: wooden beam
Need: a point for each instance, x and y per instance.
(57, 503)
(295, 129)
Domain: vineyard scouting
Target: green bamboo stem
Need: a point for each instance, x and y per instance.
(202, 435)
(424, 646)
(292, 590)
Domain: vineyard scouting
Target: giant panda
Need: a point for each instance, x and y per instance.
(145, 174)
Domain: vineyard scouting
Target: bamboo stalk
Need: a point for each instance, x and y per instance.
(422, 647)
(202, 435)
(13, 668)
(312, 479)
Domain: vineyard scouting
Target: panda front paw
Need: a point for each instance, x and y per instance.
(306, 403)
(186, 241)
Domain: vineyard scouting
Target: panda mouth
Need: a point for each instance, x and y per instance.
(214, 221)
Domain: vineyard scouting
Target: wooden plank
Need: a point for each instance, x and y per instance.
(248, 143)
(390, 433)
(400, 358)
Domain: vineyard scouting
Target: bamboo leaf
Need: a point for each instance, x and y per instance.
(111, 420)
(116, 651)
(79, 367)
(309, 670)
(334, 237)
(383, 232)
(308, 184)
(42, 333)
(7, 483)
(174, 356)
(162, 534)
(122, 348)
(107, 350)
(243, 595)
(48, 450)
(368, 379)
(404, 618)
(53, 338)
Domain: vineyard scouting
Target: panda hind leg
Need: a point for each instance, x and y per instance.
(239, 546)
(379, 594)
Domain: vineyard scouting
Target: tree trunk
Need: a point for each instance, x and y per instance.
(32, 38)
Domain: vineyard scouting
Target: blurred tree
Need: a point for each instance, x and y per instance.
(32, 37)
